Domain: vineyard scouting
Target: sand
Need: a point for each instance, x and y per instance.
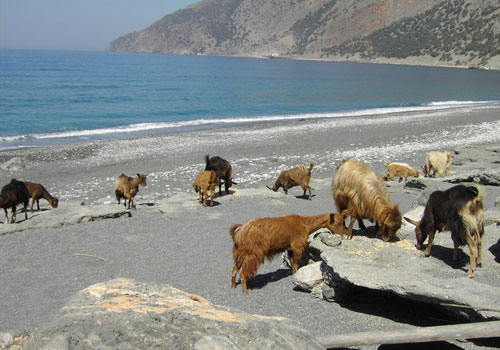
(171, 239)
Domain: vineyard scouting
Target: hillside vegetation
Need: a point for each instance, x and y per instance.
(454, 32)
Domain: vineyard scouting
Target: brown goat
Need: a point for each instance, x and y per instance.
(206, 181)
(402, 170)
(438, 162)
(360, 193)
(37, 191)
(265, 237)
(298, 176)
(127, 187)
(459, 210)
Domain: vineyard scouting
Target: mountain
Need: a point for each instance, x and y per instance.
(433, 32)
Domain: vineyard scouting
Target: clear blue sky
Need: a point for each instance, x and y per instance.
(77, 24)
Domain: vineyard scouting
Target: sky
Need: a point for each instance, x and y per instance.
(87, 25)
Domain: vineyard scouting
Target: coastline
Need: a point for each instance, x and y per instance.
(257, 152)
(171, 239)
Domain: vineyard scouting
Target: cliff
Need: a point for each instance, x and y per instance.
(435, 32)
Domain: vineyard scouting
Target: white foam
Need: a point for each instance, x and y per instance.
(144, 127)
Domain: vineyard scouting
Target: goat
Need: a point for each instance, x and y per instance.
(265, 237)
(206, 181)
(402, 170)
(359, 192)
(223, 171)
(459, 210)
(127, 187)
(11, 195)
(298, 176)
(37, 191)
(438, 162)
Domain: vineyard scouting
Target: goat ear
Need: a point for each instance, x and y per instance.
(411, 221)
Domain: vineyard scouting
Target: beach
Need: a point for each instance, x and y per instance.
(170, 239)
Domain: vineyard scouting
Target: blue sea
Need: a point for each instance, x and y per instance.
(58, 97)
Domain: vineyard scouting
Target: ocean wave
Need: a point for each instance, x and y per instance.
(186, 124)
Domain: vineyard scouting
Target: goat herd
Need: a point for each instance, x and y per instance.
(358, 191)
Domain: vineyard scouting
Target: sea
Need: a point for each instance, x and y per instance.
(62, 97)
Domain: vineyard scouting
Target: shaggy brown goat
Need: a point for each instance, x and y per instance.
(223, 171)
(37, 191)
(360, 193)
(402, 170)
(459, 210)
(265, 237)
(298, 176)
(127, 187)
(11, 195)
(206, 181)
(438, 162)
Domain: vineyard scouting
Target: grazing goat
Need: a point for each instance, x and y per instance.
(223, 171)
(37, 191)
(206, 181)
(360, 193)
(298, 176)
(438, 162)
(127, 187)
(12, 194)
(459, 210)
(265, 237)
(402, 170)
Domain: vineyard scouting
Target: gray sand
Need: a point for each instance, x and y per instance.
(171, 239)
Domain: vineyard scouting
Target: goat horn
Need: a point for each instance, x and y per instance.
(411, 221)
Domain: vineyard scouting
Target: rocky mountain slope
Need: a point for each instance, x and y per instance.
(455, 32)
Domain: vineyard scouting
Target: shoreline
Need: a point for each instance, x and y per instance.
(257, 152)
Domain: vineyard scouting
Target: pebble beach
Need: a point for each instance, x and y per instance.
(171, 239)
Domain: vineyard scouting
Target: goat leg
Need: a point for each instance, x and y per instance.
(472, 252)
(427, 251)
(479, 249)
(233, 278)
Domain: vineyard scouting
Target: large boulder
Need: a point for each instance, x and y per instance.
(123, 314)
(398, 268)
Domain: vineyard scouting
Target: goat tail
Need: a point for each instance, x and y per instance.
(207, 159)
(311, 165)
(232, 231)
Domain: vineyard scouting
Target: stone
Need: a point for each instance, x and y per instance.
(6, 340)
(13, 164)
(307, 277)
(69, 213)
(124, 314)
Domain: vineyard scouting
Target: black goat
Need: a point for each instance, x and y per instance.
(12, 194)
(459, 210)
(222, 170)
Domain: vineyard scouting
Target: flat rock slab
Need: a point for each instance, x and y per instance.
(66, 214)
(399, 268)
(123, 314)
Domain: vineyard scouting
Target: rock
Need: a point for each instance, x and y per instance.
(6, 340)
(13, 164)
(308, 277)
(399, 268)
(476, 154)
(67, 213)
(331, 240)
(123, 314)
(497, 202)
